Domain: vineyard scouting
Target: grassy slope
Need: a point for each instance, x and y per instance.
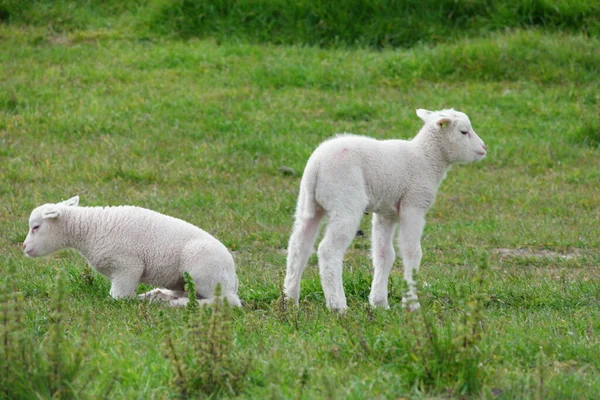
(198, 130)
(373, 23)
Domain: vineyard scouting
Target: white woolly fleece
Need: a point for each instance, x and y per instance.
(132, 245)
(397, 180)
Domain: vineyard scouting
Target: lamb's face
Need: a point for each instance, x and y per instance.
(459, 142)
(41, 239)
(44, 236)
(464, 145)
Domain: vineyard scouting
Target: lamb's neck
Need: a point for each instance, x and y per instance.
(429, 149)
(80, 228)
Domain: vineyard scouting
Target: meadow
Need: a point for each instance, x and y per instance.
(216, 129)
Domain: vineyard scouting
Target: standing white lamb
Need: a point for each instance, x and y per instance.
(397, 180)
(132, 245)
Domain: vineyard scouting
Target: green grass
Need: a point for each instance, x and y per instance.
(371, 23)
(374, 23)
(199, 129)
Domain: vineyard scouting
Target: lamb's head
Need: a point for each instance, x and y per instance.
(458, 141)
(44, 236)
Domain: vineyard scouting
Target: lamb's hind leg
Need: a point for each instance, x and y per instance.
(232, 299)
(340, 231)
(300, 248)
(383, 258)
(162, 294)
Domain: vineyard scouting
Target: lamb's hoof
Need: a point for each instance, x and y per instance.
(152, 295)
(411, 304)
(380, 304)
(339, 308)
(161, 295)
(291, 300)
(179, 302)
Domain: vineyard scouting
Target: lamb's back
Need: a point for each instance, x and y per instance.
(130, 229)
(389, 168)
(143, 222)
(365, 152)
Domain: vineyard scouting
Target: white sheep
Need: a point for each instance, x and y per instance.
(132, 245)
(396, 180)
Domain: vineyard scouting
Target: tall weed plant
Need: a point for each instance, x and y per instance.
(51, 367)
(203, 354)
(446, 354)
(16, 357)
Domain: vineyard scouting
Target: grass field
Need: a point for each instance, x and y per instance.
(200, 128)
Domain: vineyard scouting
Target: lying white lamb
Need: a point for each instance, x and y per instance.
(132, 245)
(397, 180)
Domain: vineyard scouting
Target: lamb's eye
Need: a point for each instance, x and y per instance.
(35, 228)
(464, 132)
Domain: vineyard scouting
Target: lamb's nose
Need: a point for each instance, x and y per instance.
(484, 146)
(24, 246)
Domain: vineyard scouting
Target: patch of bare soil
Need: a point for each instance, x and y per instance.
(60, 40)
(554, 267)
(532, 253)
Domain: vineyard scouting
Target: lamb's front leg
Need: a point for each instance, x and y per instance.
(412, 222)
(382, 248)
(124, 282)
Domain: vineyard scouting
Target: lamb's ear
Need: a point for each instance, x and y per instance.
(51, 211)
(72, 202)
(443, 122)
(424, 114)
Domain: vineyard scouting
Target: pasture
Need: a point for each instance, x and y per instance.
(217, 132)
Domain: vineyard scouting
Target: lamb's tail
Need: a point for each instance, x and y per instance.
(307, 205)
